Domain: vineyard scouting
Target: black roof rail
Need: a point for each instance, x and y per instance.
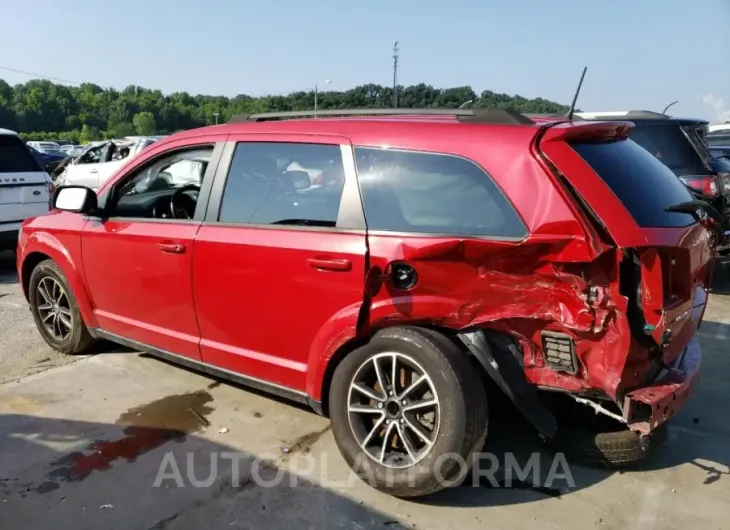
(480, 115)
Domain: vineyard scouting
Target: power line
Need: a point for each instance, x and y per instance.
(50, 78)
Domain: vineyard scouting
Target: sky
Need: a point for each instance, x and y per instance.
(640, 54)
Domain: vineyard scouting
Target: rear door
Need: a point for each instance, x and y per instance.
(24, 186)
(630, 192)
(279, 263)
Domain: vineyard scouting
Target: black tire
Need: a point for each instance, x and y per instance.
(78, 339)
(614, 450)
(463, 413)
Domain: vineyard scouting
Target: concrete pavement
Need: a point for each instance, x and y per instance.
(122, 440)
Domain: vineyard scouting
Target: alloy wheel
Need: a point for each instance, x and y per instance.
(54, 309)
(394, 410)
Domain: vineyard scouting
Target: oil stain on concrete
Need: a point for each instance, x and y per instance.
(146, 427)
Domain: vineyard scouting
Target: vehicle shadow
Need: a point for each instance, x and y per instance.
(134, 474)
(8, 274)
(721, 280)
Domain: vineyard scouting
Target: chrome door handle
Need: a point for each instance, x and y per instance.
(171, 248)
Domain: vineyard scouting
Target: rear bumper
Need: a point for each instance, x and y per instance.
(647, 408)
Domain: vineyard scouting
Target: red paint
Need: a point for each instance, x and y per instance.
(278, 303)
(139, 290)
(265, 306)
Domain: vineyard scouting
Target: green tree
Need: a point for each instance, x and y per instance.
(88, 134)
(144, 123)
(41, 109)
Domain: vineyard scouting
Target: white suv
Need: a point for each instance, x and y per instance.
(25, 189)
(100, 160)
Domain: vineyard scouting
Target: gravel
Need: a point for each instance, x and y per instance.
(23, 351)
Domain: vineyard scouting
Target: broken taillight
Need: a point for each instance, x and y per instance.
(706, 184)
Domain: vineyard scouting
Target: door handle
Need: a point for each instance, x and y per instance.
(171, 248)
(330, 264)
(93, 171)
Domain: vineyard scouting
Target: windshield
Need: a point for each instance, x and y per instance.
(672, 146)
(645, 186)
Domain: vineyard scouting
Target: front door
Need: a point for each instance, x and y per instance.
(84, 171)
(138, 260)
(276, 271)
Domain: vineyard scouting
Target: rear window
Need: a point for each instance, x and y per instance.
(645, 186)
(431, 193)
(15, 157)
(670, 145)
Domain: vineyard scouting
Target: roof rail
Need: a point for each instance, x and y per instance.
(480, 115)
(546, 116)
(646, 114)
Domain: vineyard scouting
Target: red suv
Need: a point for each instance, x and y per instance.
(381, 265)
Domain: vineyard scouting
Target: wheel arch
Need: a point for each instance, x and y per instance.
(322, 385)
(43, 247)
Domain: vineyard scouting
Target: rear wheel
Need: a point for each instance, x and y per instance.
(408, 411)
(55, 310)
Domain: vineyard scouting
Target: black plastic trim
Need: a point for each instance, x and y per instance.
(200, 366)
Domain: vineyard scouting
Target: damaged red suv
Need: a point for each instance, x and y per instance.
(383, 266)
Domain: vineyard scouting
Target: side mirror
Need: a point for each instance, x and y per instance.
(77, 199)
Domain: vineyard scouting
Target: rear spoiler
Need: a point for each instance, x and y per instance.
(588, 131)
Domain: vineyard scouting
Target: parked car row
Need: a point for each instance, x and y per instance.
(100, 160)
(28, 171)
(386, 267)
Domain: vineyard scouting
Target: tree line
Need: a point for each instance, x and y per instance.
(43, 110)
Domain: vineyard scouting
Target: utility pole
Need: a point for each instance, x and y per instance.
(216, 117)
(316, 91)
(395, 74)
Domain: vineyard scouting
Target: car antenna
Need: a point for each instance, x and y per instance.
(575, 97)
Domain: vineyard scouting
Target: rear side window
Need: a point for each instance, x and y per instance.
(431, 193)
(671, 146)
(15, 157)
(645, 186)
(294, 184)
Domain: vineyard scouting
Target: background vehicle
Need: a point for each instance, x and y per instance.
(24, 187)
(45, 147)
(100, 160)
(382, 292)
(45, 158)
(680, 144)
(73, 150)
(718, 140)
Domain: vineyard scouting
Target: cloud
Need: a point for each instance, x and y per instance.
(722, 111)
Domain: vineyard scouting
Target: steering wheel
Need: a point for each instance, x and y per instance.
(182, 204)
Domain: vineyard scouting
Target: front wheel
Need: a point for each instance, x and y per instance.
(55, 310)
(408, 411)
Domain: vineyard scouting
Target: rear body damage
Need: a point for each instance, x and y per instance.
(610, 318)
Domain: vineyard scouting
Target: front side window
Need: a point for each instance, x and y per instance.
(432, 193)
(167, 188)
(272, 183)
